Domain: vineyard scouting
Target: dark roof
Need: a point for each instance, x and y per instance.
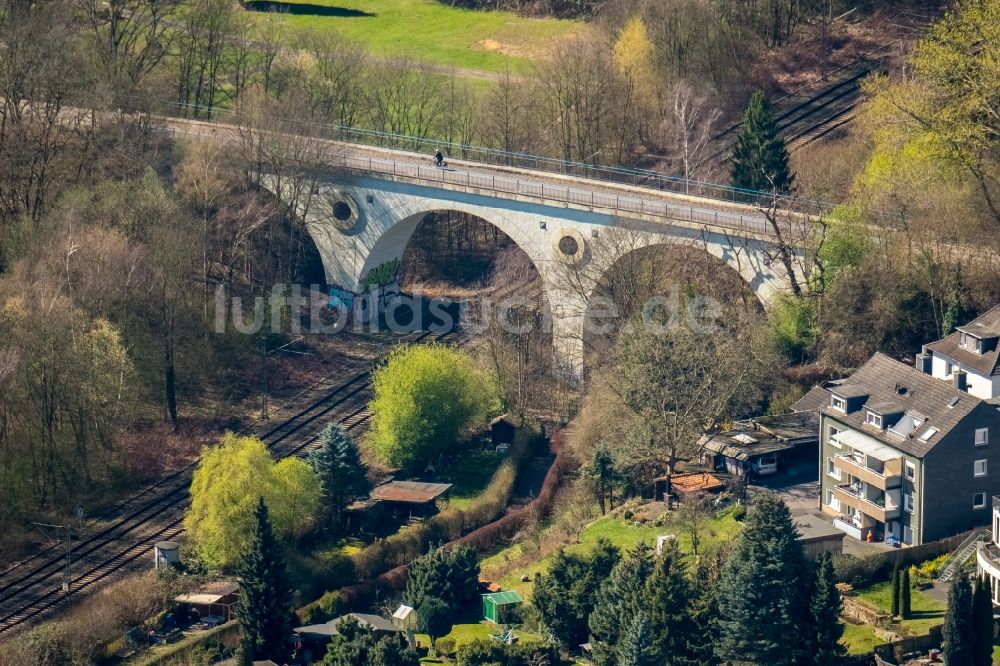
(849, 389)
(796, 426)
(813, 401)
(508, 419)
(414, 492)
(765, 434)
(812, 528)
(985, 326)
(327, 629)
(885, 380)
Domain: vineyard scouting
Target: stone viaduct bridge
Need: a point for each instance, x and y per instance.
(367, 201)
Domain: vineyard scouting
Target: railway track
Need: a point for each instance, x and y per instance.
(36, 586)
(807, 115)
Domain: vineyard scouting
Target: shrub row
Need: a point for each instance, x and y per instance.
(480, 539)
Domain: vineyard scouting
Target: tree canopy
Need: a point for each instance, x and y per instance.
(426, 396)
(764, 591)
(264, 611)
(760, 159)
(342, 476)
(230, 479)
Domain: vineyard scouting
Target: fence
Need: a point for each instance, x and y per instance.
(918, 554)
(492, 156)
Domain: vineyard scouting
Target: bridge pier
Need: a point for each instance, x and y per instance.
(361, 225)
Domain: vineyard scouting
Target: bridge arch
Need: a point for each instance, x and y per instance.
(362, 224)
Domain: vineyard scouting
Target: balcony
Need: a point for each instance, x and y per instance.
(988, 559)
(891, 475)
(874, 508)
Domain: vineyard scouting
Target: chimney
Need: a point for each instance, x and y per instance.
(923, 363)
(958, 377)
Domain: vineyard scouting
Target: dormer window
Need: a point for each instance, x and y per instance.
(838, 403)
(874, 419)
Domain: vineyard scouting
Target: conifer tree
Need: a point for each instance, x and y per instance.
(636, 645)
(904, 594)
(619, 600)
(959, 630)
(601, 473)
(825, 615)
(982, 621)
(764, 590)
(668, 597)
(451, 576)
(700, 648)
(265, 601)
(760, 158)
(342, 476)
(566, 594)
(895, 590)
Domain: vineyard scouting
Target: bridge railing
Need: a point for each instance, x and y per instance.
(511, 186)
(615, 174)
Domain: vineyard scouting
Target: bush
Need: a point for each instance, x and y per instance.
(739, 513)
(859, 571)
(482, 652)
(445, 646)
(425, 397)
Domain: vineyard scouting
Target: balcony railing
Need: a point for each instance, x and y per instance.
(879, 479)
(855, 496)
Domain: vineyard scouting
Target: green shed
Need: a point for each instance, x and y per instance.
(496, 605)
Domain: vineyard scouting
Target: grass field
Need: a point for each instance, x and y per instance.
(623, 534)
(859, 638)
(430, 31)
(471, 471)
(927, 611)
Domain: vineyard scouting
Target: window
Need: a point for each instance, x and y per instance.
(832, 501)
(874, 419)
(831, 469)
(980, 468)
(930, 432)
(833, 433)
(982, 436)
(908, 503)
(965, 340)
(907, 535)
(911, 471)
(838, 403)
(948, 369)
(979, 501)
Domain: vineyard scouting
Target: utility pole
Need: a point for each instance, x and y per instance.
(68, 541)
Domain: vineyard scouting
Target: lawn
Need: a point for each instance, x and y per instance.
(927, 611)
(859, 638)
(430, 31)
(470, 472)
(623, 534)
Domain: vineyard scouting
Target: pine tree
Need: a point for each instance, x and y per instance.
(451, 576)
(895, 590)
(619, 600)
(760, 158)
(825, 614)
(904, 594)
(265, 600)
(959, 630)
(764, 590)
(982, 622)
(341, 474)
(566, 594)
(700, 648)
(636, 645)
(668, 598)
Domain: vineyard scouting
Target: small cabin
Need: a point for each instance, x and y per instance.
(413, 498)
(213, 601)
(502, 429)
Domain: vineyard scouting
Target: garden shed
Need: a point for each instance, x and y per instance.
(497, 604)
